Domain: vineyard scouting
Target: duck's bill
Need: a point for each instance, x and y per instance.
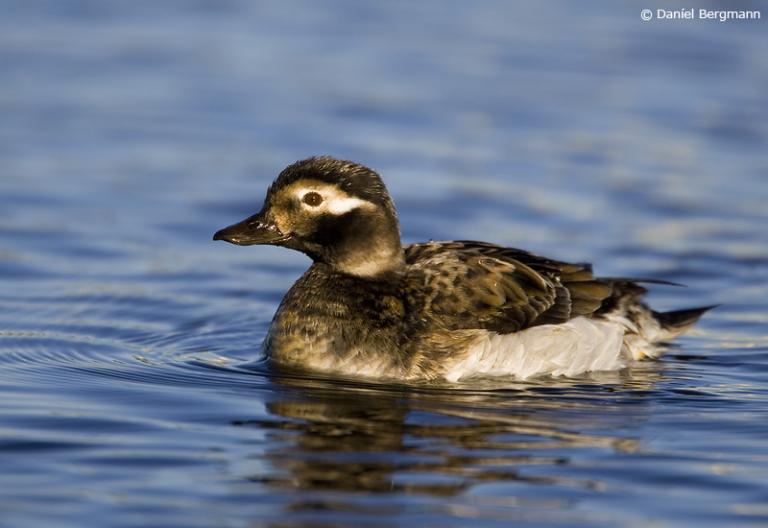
(253, 230)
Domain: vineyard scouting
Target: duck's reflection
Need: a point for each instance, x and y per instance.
(336, 436)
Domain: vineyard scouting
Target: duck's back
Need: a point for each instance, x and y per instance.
(466, 284)
(531, 315)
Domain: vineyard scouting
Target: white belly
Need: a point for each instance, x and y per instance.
(567, 349)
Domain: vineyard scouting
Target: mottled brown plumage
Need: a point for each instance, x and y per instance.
(369, 306)
(476, 284)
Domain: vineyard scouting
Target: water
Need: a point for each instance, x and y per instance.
(132, 392)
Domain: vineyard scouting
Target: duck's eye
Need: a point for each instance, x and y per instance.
(312, 198)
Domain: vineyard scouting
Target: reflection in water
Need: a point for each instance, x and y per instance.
(335, 436)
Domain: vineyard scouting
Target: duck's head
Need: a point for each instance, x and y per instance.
(335, 211)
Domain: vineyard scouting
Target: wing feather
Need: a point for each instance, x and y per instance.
(467, 284)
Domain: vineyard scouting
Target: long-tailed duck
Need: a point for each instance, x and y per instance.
(369, 306)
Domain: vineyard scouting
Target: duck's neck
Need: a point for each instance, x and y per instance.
(367, 246)
(371, 264)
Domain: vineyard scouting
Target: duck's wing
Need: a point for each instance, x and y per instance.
(466, 284)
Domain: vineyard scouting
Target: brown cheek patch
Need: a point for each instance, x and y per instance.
(283, 221)
(279, 213)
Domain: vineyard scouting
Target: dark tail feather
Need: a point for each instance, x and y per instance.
(678, 321)
(642, 280)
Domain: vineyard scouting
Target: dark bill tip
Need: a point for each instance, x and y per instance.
(229, 234)
(252, 230)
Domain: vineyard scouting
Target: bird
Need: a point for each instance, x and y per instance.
(371, 307)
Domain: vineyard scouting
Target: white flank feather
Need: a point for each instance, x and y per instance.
(567, 349)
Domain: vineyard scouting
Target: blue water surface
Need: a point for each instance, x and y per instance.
(132, 389)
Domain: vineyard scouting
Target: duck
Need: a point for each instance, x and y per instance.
(371, 307)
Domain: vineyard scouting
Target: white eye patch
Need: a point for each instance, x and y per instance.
(339, 206)
(334, 201)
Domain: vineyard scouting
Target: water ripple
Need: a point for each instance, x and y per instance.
(133, 389)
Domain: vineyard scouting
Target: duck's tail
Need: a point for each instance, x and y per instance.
(677, 322)
(646, 329)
